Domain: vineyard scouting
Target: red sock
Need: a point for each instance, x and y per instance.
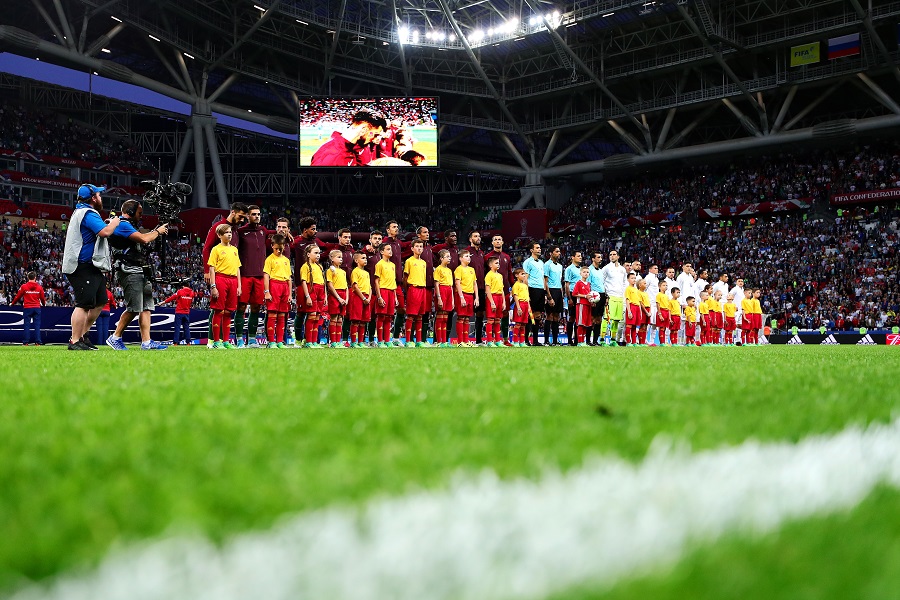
(226, 326)
(270, 326)
(312, 329)
(643, 335)
(419, 329)
(279, 327)
(217, 327)
(386, 327)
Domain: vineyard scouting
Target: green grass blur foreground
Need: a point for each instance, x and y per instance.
(106, 448)
(852, 555)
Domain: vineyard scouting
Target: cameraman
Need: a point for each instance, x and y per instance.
(135, 274)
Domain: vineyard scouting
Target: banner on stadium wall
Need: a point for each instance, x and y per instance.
(890, 195)
(56, 325)
(71, 162)
(807, 54)
(748, 210)
(70, 185)
(56, 212)
(636, 221)
(832, 339)
(533, 223)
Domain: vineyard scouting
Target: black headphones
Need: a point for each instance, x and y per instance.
(132, 210)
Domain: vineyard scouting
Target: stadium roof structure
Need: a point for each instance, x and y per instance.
(538, 89)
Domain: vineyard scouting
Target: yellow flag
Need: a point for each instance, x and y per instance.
(807, 54)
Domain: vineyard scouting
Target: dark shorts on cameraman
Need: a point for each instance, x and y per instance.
(536, 299)
(597, 309)
(89, 284)
(556, 308)
(138, 292)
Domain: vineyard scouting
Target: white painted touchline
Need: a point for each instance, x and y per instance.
(487, 539)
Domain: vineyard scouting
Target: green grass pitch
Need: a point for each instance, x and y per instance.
(108, 448)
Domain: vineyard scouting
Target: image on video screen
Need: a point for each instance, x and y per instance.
(374, 132)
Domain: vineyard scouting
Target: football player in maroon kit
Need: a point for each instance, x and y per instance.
(372, 257)
(450, 241)
(345, 246)
(392, 228)
(252, 250)
(236, 218)
(479, 266)
(508, 280)
(423, 235)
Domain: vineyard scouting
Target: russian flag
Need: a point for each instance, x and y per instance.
(846, 45)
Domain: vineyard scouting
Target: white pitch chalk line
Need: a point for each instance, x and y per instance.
(486, 539)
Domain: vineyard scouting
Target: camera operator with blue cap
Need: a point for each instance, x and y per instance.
(135, 274)
(86, 262)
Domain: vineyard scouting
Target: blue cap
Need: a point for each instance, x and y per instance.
(87, 190)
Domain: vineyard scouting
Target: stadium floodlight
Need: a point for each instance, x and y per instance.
(116, 19)
(188, 55)
(415, 37)
(301, 22)
(259, 8)
(106, 50)
(403, 34)
(154, 38)
(608, 15)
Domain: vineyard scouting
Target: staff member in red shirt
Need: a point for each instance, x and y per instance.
(183, 299)
(32, 295)
(102, 321)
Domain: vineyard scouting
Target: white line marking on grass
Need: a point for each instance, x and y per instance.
(488, 539)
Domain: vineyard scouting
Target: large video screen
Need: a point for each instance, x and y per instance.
(374, 132)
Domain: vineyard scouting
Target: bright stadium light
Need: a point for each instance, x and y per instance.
(608, 15)
(154, 38)
(403, 34)
(259, 8)
(415, 37)
(105, 50)
(188, 55)
(116, 19)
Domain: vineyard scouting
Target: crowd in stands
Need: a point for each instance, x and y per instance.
(814, 176)
(438, 218)
(25, 247)
(842, 274)
(39, 132)
(409, 111)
